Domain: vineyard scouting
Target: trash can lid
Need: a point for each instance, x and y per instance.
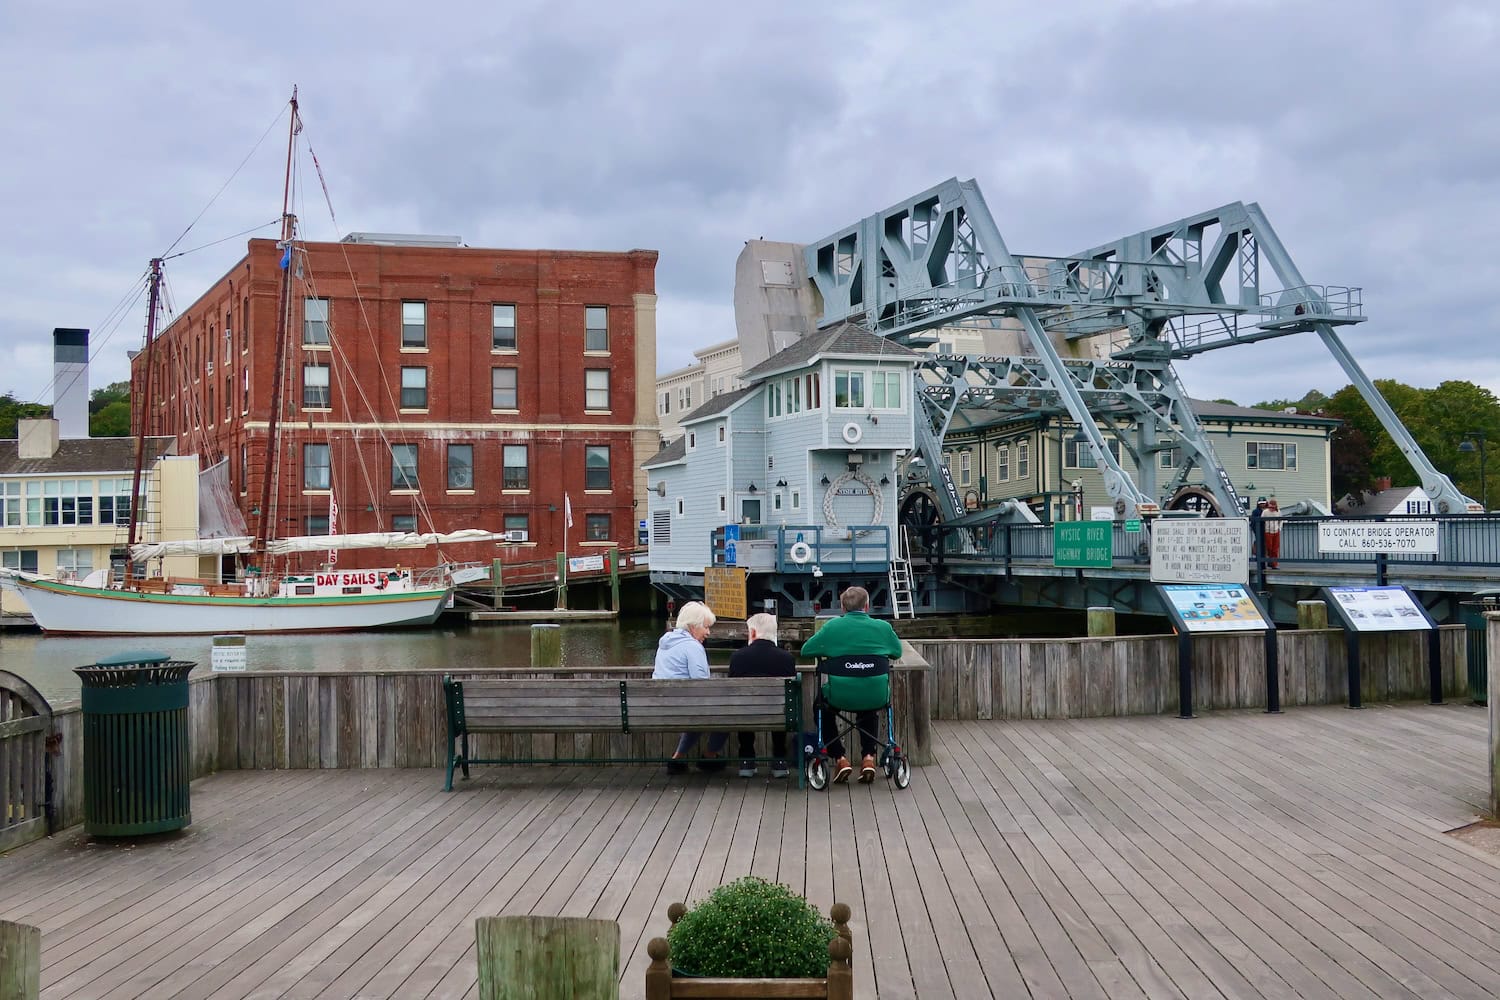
(132, 657)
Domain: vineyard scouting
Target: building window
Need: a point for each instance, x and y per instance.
(963, 468)
(596, 467)
(515, 468)
(1080, 454)
(74, 563)
(1265, 455)
(403, 466)
(317, 524)
(24, 560)
(685, 395)
(1168, 458)
(245, 390)
(596, 528)
(692, 440)
(315, 387)
(1023, 459)
(460, 466)
(114, 501)
(315, 473)
(1002, 463)
(776, 500)
(596, 328)
(848, 390)
(681, 508)
(885, 390)
(723, 504)
(10, 505)
(503, 394)
(796, 499)
(414, 388)
(314, 322)
(518, 526)
(666, 403)
(814, 391)
(503, 327)
(1419, 506)
(413, 324)
(404, 522)
(596, 388)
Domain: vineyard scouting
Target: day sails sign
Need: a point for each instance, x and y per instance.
(1413, 537)
(1200, 550)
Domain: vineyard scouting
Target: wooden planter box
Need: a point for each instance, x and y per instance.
(661, 984)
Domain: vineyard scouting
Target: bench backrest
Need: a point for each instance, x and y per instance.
(535, 704)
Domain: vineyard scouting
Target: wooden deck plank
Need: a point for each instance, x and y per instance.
(1232, 855)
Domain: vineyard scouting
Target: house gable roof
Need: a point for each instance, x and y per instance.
(844, 340)
(722, 403)
(83, 456)
(674, 452)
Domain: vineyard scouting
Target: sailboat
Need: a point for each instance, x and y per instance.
(120, 601)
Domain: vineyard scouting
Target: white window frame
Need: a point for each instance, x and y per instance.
(498, 317)
(414, 315)
(1002, 464)
(590, 314)
(315, 329)
(591, 389)
(854, 378)
(887, 381)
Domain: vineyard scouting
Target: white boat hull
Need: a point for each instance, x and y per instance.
(69, 609)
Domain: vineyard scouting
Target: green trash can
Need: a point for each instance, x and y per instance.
(136, 764)
(1476, 631)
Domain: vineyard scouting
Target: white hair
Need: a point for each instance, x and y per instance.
(764, 625)
(695, 613)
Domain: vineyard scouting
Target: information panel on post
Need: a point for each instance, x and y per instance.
(1223, 607)
(1379, 609)
(1200, 550)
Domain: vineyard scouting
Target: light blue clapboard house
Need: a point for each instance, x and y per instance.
(800, 465)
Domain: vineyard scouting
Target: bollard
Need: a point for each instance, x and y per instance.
(20, 961)
(548, 958)
(612, 559)
(497, 584)
(1101, 621)
(1312, 614)
(546, 646)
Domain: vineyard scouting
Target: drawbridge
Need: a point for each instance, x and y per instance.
(1093, 335)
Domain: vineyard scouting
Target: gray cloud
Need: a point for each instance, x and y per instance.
(1369, 132)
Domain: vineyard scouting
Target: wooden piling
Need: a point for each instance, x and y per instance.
(1101, 621)
(20, 961)
(497, 584)
(562, 581)
(1492, 622)
(548, 958)
(546, 645)
(1312, 614)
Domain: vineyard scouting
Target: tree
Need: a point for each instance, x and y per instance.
(12, 411)
(112, 421)
(113, 393)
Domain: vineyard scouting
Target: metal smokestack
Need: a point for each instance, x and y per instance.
(70, 382)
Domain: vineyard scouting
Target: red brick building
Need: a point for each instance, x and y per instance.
(427, 386)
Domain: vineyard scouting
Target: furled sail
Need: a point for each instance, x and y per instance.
(313, 543)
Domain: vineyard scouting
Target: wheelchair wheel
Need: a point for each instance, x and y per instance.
(898, 768)
(817, 773)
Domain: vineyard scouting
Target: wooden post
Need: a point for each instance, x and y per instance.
(546, 646)
(840, 955)
(612, 557)
(497, 584)
(1492, 622)
(1101, 621)
(659, 972)
(548, 958)
(562, 581)
(20, 961)
(1312, 614)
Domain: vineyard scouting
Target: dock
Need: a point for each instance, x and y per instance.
(1235, 855)
(532, 617)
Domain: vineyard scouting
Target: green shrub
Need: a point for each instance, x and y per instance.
(752, 928)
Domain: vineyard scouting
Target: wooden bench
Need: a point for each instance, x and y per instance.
(581, 705)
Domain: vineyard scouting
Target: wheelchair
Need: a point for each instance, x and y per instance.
(860, 683)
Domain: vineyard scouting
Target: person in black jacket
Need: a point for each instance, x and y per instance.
(762, 658)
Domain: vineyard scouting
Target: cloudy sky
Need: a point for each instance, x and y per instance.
(1368, 131)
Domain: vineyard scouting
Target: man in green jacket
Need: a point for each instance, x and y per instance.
(855, 633)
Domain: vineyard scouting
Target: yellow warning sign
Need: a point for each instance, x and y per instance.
(724, 591)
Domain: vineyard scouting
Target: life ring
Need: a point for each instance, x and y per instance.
(853, 432)
(800, 552)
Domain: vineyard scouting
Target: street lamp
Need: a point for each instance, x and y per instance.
(1468, 448)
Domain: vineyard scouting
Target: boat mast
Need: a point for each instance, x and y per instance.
(152, 298)
(273, 450)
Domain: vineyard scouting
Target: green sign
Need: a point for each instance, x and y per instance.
(1133, 525)
(1083, 544)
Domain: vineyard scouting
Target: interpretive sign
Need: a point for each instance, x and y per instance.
(724, 591)
(582, 564)
(1101, 513)
(1416, 537)
(228, 654)
(1200, 550)
(1379, 609)
(1224, 607)
(1083, 544)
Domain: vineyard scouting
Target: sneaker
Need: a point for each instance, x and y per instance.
(677, 765)
(867, 769)
(841, 770)
(747, 769)
(779, 769)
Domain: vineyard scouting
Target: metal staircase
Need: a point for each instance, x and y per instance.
(902, 605)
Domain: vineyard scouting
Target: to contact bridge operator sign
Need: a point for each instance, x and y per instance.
(1413, 537)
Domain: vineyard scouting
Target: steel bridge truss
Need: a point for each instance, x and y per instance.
(1202, 283)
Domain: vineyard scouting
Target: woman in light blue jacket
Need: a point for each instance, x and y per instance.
(680, 656)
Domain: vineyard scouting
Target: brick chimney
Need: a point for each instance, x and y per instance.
(1382, 484)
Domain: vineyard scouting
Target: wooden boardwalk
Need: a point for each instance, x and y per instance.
(1236, 855)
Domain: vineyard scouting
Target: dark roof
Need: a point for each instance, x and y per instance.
(674, 452)
(1207, 408)
(718, 404)
(847, 339)
(83, 455)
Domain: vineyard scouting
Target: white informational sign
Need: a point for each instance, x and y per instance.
(1221, 608)
(582, 564)
(1379, 609)
(228, 654)
(1101, 513)
(1200, 550)
(471, 574)
(1417, 537)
